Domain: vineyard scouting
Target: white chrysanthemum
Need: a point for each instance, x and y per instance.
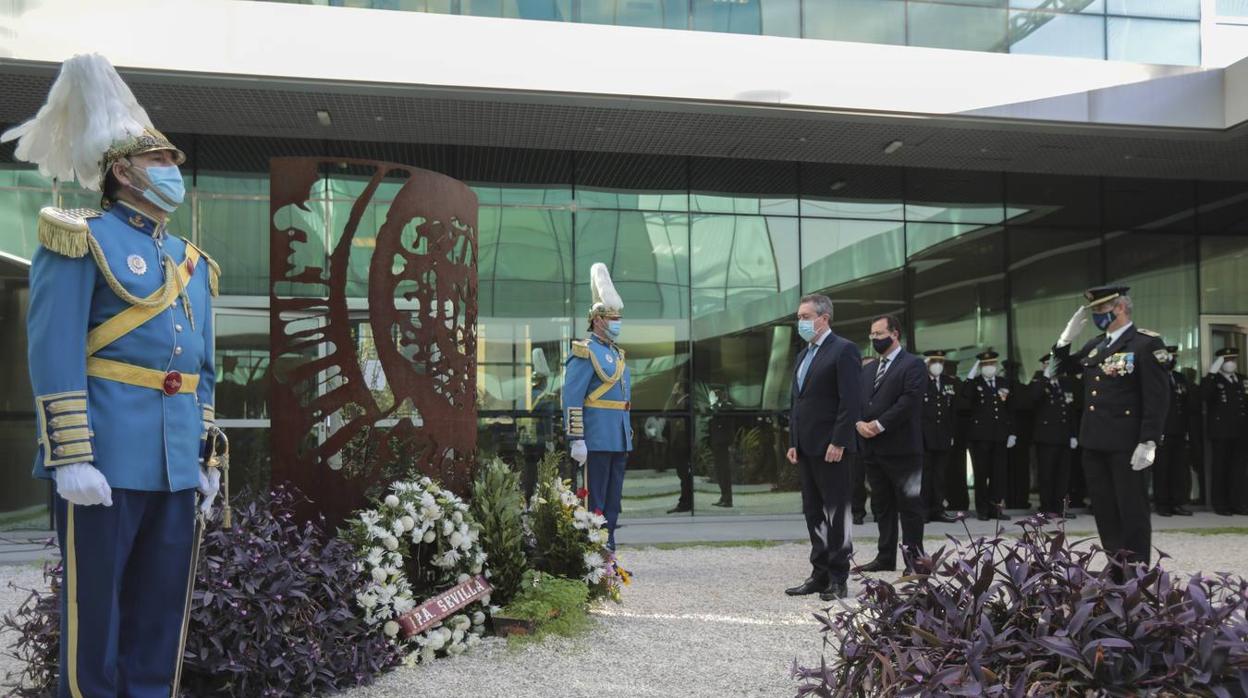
(599, 520)
(457, 517)
(457, 637)
(478, 618)
(429, 537)
(391, 543)
(392, 501)
(456, 539)
(397, 527)
(375, 556)
(447, 528)
(408, 523)
(594, 560)
(379, 575)
(595, 575)
(456, 650)
(391, 628)
(367, 600)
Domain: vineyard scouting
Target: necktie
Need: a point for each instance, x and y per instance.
(879, 374)
(801, 370)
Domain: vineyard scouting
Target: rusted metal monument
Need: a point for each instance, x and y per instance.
(363, 393)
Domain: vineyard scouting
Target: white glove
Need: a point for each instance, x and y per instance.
(1217, 365)
(1074, 443)
(1050, 370)
(209, 485)
(1143, 456)
(579, 453)
(1078, 321)
(1009, 443)
(82, 484)
(970, 376)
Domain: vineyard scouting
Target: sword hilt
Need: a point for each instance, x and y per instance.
(219, 457)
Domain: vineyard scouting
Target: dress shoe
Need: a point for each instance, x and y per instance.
(859, 519)
(877, 565)
(1069, 516)
(680, 509)
(810, 586)
(982, 516)
(1224, 512)
(834, 591)
(722, 503)
(1000, 515)
(1165, 511)
(942, 517)
(1180, 511)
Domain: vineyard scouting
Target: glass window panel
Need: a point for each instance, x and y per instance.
(733, 16)
(525, 263)
(1161, 271)
(1222, 208)
(1052, 200)
(1170, 9)
(836, 252)
(660, 442)
(1232, 8)
(22, 498)
(979, 3)
(1160, 41)
(481, 8)
(1085, 6)
(20, 211)
(857, 303)
(957, 27)
(662, 14)
(236, 233)
(550, 10)
(733, 186)
(959, 294)
(1156, 205)
(242, 363)
(1049, 271)
(251, 462)
(1049, 34)
(870, 21)
(740, 458)
(633, 182)
(852, 191)
(507, 176)
(744, 272)
(954, 196)
(782, 18)
(1224, 275)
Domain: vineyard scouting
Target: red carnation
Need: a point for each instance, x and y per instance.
(598, 512)
(582, 493)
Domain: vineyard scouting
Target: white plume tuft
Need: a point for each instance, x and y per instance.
(602, 291)
(89, 109)
(540, 367)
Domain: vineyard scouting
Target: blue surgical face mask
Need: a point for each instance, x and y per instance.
(167, 188)
(1103, 320)
(613, 329)
(806, 329)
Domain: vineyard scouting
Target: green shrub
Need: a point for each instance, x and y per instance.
(498, 506)
(557, 605)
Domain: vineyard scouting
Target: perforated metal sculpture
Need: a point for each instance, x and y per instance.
(359, 397)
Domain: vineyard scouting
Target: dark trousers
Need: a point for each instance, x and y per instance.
(825, 504)
(1171, 482)
(1119, 502)
(955, 479)
(989, 460)
(1229, 471)
(684, 471)
(859, 502)
(723, 472)
(934, 465)
(896, 493)
(1053, 473)
(528, 476)
(1078, 484)
(604, 476)
(126, 571)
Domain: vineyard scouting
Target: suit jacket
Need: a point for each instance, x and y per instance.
(1055, 413)
(824, 410)
(940, 413)
(897, 404)
(992, 413)
(1226, 403)
(1183, 408)
(1125, 389)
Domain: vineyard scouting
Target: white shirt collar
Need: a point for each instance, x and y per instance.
(819, 340)
(1113, 336)
(893, 354)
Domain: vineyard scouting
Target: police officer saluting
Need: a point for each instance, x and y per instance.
(939, 414)
(990, 433)
(1056, 424)
(1171, 475)
(1126, 395)
(1225, 394)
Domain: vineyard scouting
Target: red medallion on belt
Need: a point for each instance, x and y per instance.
(172, 383)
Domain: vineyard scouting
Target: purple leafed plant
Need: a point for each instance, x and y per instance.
(1032, 616)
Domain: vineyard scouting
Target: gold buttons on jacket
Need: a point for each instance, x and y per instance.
(177, 328)
(1091, 408)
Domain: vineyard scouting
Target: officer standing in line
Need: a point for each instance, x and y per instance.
(1171, 479)
(120, 340)
(1225, 394)
(858, 472)
(1126, 395)
(596, 393)
(990, 433)
(1056, 425)
(939, 417)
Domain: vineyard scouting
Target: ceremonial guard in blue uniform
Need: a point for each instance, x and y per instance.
(120, 332)
(596, 395)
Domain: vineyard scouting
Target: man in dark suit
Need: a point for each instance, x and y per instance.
(823, 411)
(939, 420)
(1056, 426)
(891, 446)
(1126, 395)
(1225, 394)
(990, 433)
(1172, 483)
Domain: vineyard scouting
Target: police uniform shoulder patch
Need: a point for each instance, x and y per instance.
(1161, 355)
(214, 269)
(65, 230)
(580, 348)
(1147, 333)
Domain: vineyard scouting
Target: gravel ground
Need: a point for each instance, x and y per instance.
(697, 621)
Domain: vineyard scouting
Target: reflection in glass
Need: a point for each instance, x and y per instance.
(1172, 9)
(242, 363)
(855, 304)
(724, 186)
(1224, 275)
(769, 17)
(1050, 34)
(1222, 207)
(744, 272)
(953, 26)
(1053, 200)
(1155, 205)
(662, 14)
(1084, 6)
(632, 182)
(1161, 271)
(648, 255)
(835, 252)
(1161, 41)
(959, 294)
(954, 196)
(852, 191)
(1049, 271)
(870, 21)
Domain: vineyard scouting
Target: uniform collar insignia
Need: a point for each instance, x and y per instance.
(137, 219)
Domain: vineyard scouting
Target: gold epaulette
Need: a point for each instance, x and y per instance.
(214, 269)
(580, 348)
(65, 230)
(1147, 333)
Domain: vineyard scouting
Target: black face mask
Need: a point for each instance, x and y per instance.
(882, 345)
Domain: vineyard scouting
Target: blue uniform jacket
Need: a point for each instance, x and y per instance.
(596, 393)
(140, 438)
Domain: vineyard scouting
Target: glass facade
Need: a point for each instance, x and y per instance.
(710, 257)
(1142, 31)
